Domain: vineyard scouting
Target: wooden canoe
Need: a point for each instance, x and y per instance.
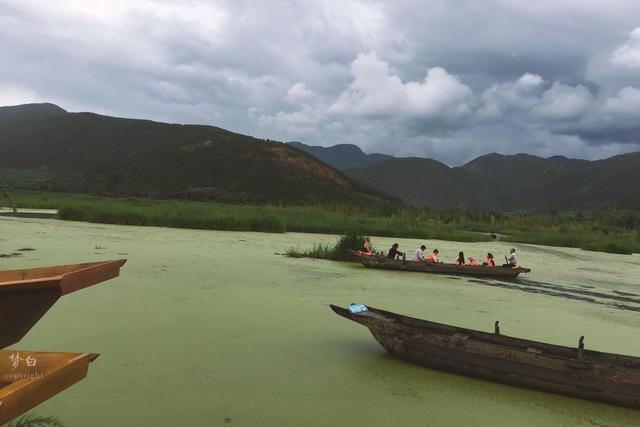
(27, 294)
(29, 378)
(439, 268)
(576, 372)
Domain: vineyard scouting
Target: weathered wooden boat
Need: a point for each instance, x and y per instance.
(27, 294)
(29, 378)
(438, 268)
(576, 372)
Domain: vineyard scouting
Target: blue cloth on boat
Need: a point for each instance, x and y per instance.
(357, 308)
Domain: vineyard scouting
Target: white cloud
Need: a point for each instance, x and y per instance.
(503, 98)
(628, 55)
(376, 92)
(564, 102)
(299, 93)
(375, 104)
(626, 103)
(530, 81)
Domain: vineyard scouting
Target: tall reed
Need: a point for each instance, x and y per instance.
(615, 232)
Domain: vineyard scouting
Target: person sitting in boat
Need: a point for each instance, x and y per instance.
(489, 262)
(394, 252)
(512, 259)
(460, 260)
(433, 256)
(368, 248)
(473, 261)
(418, 255)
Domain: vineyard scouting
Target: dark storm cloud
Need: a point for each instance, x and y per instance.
(451, 80)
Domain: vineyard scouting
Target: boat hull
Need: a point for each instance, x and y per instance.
(596, 376)
(439, 268)
(27, 294)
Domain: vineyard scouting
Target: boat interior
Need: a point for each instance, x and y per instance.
(29, 378)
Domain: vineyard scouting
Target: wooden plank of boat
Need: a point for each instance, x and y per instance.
(438, 268)
(29, 378)
(27, 294)
(586, 374)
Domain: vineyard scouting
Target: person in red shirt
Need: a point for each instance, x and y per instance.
(433, 256)
(489, 262)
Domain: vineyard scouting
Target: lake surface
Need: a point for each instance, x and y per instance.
(217, 328)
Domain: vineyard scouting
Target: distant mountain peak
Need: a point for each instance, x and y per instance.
(30, 111)
(36, 106)
(559, 158)
(342, 156)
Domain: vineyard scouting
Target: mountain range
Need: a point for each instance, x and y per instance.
(45, 147)
(496, 182)
(91, 153)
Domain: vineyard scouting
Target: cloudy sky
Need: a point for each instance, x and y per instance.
(444, 79)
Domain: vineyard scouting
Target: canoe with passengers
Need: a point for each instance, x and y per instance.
(571, 371)
(373, 261)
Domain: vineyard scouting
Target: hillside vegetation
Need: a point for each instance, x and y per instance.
(50, 149)
(519, 182)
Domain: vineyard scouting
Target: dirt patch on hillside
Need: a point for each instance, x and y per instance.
(287, 156)
(207, 143)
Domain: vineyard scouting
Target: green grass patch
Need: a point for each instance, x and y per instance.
(334, 219)
(614, 232)
(338, 252)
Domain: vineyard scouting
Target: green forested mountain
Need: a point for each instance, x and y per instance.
(91, 153)
(422, 182)
(508, 183)
(43, 146)
(532, 183)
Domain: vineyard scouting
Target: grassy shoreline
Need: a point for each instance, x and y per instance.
(614, 232)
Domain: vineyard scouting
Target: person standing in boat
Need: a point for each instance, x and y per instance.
(460, 260)
(418, 255)
(394, 252)
(433, 257)
(512, 259)
(489, 262)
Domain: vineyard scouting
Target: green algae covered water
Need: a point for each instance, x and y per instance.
(218, 328)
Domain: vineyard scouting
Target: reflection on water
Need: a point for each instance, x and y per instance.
(216, 328)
